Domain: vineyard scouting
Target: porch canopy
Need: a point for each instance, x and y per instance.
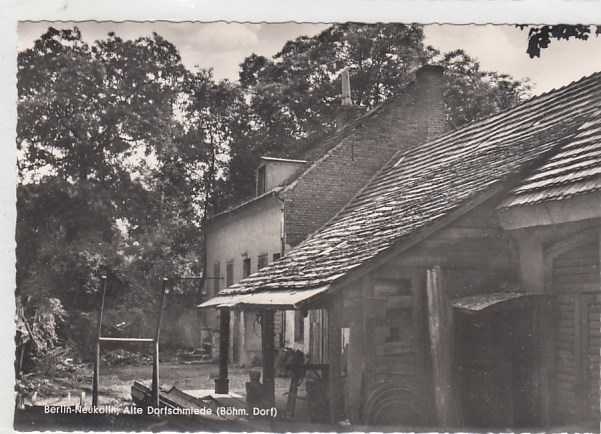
(270, 300)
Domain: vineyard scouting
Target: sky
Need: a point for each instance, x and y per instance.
(223, 46)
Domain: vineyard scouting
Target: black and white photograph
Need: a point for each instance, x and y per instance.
(307, 226)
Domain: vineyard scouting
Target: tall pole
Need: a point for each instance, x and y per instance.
(155, 358)
(99, 333)
(222, 383)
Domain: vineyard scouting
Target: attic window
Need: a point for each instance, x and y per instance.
(262, 261)
(229, 274)
(299, 326)
(216, 277)
(246, 267)
(261, 180)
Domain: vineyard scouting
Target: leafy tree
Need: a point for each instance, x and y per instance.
(98, 132)
(295, 94)
(83, 110)
(217, 117)
(472, 93)
(539, 38)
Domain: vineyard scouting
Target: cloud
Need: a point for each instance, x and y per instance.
(226, 37)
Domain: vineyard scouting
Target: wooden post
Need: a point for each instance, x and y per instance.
(440, 320)
(99, 334)
(222, 382)
(543, 332)
(355, 372)
(369, 342)
(155, 375)
(268, 355)
(334, 356)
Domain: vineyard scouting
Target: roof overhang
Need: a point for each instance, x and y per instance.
(255, 201)
(270, 300)
(581, 207)
(499, 301)
(282, 160)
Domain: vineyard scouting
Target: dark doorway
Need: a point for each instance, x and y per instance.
(495, 359)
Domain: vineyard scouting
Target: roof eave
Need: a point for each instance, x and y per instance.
(244, 205)
(268, 300)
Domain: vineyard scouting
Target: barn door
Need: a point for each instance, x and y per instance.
(591, 312)
(577, 335)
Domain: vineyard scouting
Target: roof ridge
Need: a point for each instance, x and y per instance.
(527, 100)
(516, 109)
(464, 132)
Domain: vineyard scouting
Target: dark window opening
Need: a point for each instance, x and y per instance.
(262, 261)
(246, 268)
(299, 326)
(398, 322)
(276, 256)
(216, 275)
(229, 274)
(261, 180)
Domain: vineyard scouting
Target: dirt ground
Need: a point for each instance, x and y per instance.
(116, 381)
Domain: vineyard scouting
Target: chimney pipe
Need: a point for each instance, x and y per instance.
(431, 117)
(347, 112)
(346, 89)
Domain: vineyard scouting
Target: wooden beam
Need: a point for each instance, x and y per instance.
(222, 382)
(125, 340)
(355, 367)
(268, 353)
(418, 322)
(440, 322)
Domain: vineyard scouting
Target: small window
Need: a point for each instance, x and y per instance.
(299, 326)
(229, 274)
(246, 268)
(261, 180)
(276, 256)
(262, 261)
(216, 276)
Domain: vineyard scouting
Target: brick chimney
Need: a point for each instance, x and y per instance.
(430, 113)
(347, 112)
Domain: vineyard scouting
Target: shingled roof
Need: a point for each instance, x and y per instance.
(575, 169)
(421, 186)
